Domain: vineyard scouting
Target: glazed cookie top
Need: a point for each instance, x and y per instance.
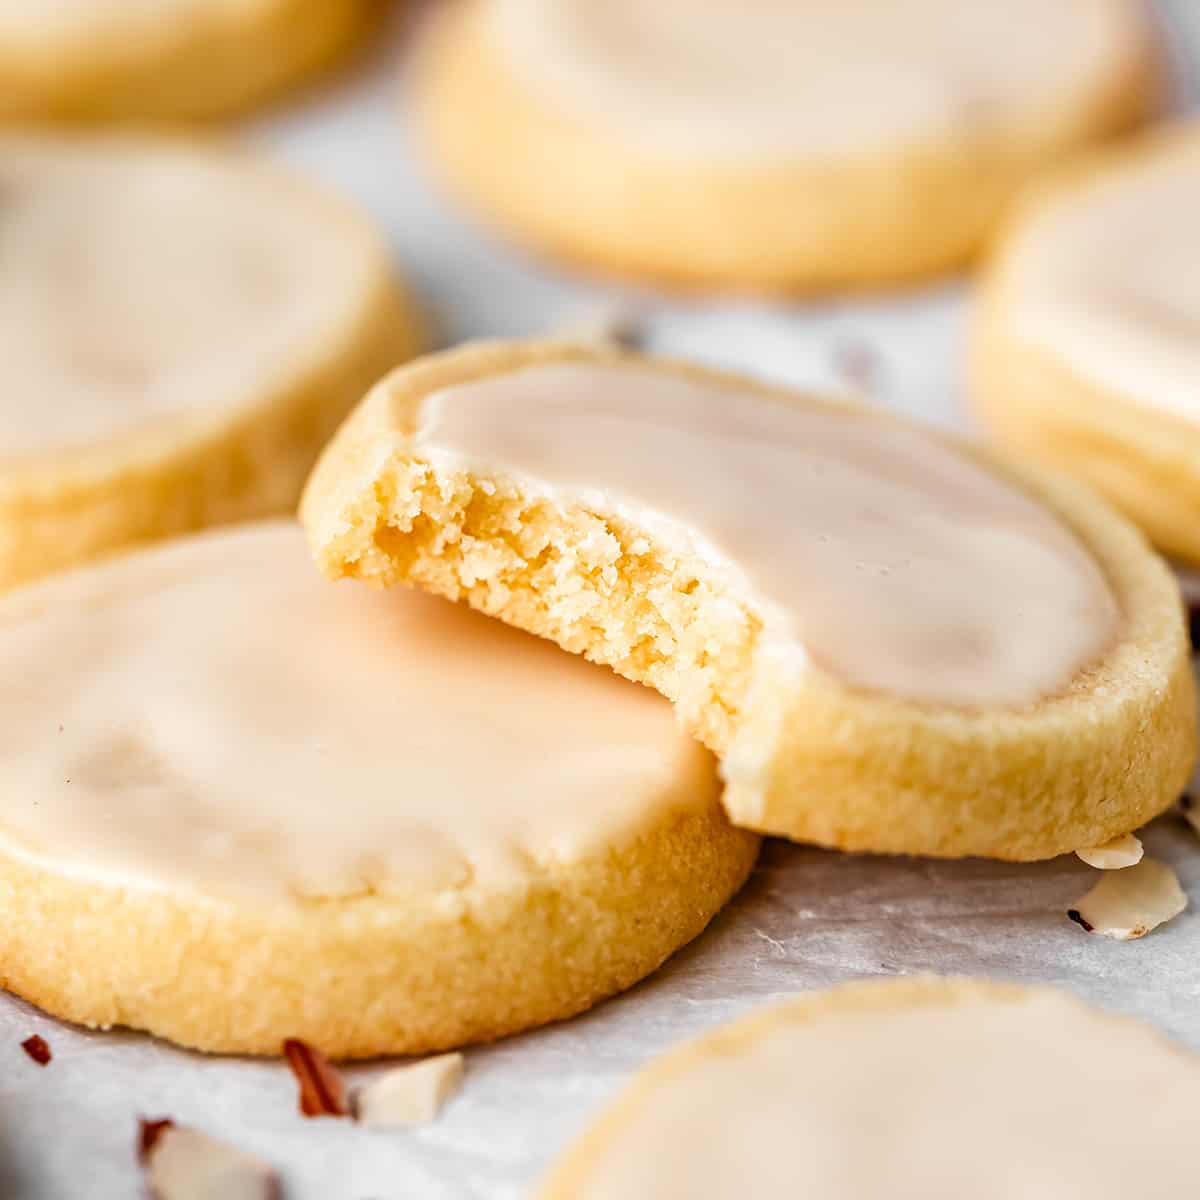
(1107, 276)
(889, 558)
(214, 717)
(143, 279)
(749, 79)
(988, 1098)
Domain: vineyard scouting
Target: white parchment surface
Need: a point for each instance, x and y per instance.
(807, 918)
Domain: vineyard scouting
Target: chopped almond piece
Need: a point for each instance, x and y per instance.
(322, 1093)
(1128, 904)
(410, 1095)
(185, 1164)
(38, 1049)
(1121, 852)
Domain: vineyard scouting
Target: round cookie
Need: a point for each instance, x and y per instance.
(765, 145)
(241, 804)
(181, 330)
(167, 60)
(1086, 342)
(896, 642)
(949, 1087)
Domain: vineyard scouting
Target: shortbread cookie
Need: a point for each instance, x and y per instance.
(240, 805)
(895, 641)
(916, 1087)
(164, 60)
(759, 144)
(1087, 341)
(180, 331)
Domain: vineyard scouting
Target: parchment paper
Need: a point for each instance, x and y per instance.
(806, 919)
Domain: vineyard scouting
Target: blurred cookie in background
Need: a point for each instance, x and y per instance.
(181, 329)
(767, 145)
(900, 1087)
(1086, 349)
(169, 60)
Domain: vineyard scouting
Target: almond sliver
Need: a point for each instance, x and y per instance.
(1130, 903)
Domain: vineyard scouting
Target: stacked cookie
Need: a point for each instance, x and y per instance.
(894, 642)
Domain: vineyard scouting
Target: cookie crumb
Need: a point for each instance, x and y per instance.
(409, 1095)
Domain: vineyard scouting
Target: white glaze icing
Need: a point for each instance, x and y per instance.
(1109, 282)
(899, 563)
(213, 716)
(142, 282)
(748, 79)
(992, 1101)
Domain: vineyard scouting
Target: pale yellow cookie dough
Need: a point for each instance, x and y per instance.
(181, 329)
(1086, 346)
(239, 804)
(938, 1088)
(764, 145)
(981, 659)
(165, 60)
